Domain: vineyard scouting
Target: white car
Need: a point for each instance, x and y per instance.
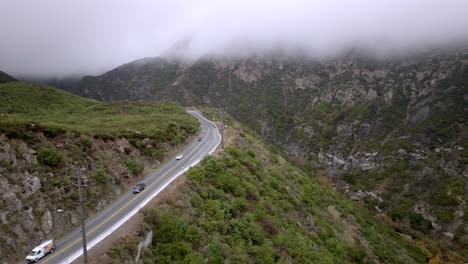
(179, 157)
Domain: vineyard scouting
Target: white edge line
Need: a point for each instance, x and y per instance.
(111, 229)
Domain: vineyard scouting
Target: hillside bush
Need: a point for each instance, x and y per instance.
(101, 176)
(49, 157)
(52, 132)
(418, 222)
(134, 166)
(240, 209)
(86, 143)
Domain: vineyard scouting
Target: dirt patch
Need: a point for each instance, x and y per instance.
(98, 254)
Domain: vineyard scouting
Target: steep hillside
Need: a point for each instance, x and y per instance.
(390, 133)
(143, 79)
(4, 78)
(49, 137)
(249, 205)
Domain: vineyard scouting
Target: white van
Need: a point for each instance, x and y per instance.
(40, 251)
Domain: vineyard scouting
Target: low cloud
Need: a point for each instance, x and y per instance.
(53, 37)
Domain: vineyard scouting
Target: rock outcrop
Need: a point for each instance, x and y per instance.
(31, 193)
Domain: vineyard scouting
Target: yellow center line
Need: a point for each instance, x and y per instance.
(113, 215)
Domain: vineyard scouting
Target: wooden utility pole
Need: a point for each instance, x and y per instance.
(222, 124)
(82, 212)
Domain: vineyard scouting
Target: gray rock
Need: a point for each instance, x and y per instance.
(74, 220)
(360, 195)
(3, 215)
(101, 204)
(30, 156)
(448, 234)
(47, 223)
(420, 115)
(29, 224)
(10, 242)
(365, 162)
(12, 202)
(35, 184)
(7, 152)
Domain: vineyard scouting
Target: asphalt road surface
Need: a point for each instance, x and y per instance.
(70, 247)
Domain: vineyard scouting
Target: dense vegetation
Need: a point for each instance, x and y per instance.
(249, 205)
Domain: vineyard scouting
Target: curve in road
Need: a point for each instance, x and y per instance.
(70, 248)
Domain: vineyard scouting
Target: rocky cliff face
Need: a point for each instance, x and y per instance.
(389, 132)
(38, 176)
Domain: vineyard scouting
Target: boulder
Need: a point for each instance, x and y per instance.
(12, 202)
(35, 184)
(47, 223)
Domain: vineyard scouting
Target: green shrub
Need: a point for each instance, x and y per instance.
(350, 178)
(357, 256)
(6, 164)
(86, 143)
(52, 132)
(73, 196)
(281, 216)
(215, 253)
(134, 166)
(157, 134)
(137, 143)
(418, 222)
(251, 153)
(158, 154)
(397, 214)
(263, 254)
(49, 157)
(444, 215)
(101, 176)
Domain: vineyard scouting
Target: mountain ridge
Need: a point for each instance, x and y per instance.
(389, 133)
(4, 77)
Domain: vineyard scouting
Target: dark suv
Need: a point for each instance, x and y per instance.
(139, 187)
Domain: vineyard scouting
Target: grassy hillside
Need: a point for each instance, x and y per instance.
(24, 103)
(46, 135)
(250, 205)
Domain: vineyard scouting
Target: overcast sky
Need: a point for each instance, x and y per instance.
(59, 37)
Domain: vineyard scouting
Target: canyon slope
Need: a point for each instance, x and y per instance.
(389, 133)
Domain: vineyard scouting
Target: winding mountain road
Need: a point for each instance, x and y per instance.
(108, 220)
